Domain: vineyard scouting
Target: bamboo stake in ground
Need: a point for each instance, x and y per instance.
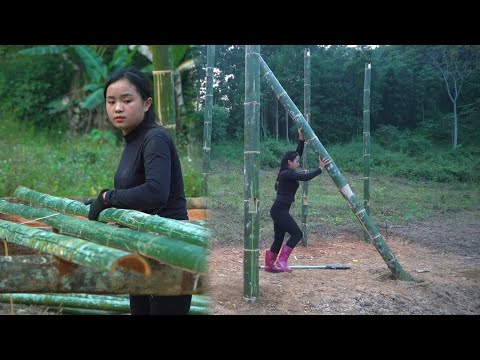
(192, 233)
(72, 249)
(306, 112)
(337, 177)
(162, 248)
(164, 89)
(49, 274)
(251, 173)
(366, 145)
(207, 118)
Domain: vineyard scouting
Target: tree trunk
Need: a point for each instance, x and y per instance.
(251, 192)
(180, 108)
(165, 249)
(337, 177)
(71, 249)
(286, 126)
(49, 274)
(276, 120)
(207, 117)
(366, 145)
(191, 233)
(455, 124)
(164, 90)
(306, 111)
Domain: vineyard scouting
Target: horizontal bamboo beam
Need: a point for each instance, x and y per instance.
(191, 233)
(162, 248)
(72, 249)
(49, 274)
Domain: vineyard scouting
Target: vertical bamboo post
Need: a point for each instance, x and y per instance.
(164, 90)
(207, 117)
(366, 144)
(306, 112)
(251, 173)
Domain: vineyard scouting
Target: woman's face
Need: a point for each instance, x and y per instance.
(125, 107)
(293, 165)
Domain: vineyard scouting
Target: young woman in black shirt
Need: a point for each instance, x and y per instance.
(286, 186)
(149, 175)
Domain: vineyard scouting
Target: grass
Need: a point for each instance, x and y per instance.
(80, 166)
(393, 199)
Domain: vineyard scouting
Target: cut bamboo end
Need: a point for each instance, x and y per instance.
(199, 214)
(133, 263)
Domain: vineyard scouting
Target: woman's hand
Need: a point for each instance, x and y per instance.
(324, 162)
(300, 134)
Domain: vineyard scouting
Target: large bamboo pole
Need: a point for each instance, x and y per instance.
(192, 233)
(366, 145)
(306, 112)
(207, 117)
(251, 192)
(105, 304)
(164, 88)
(337, 177)
(162, 248)
(49, 274)
(72, 249)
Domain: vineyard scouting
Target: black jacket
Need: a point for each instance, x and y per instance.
(288, 180)
(149, 174)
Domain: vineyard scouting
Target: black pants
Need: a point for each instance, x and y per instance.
(282, 223)
(160, 305)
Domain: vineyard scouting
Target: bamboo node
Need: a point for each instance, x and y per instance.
(170, 126)
(161, 72)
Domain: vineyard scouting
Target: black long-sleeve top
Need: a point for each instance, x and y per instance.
(149, 175)
(288, 180)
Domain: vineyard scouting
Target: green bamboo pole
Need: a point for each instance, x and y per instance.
(207, 117)
(251, 173)
(164, 89)
(337, 177)
(198, 310)
(162, 248)
(75, 311)
(106, 304)
(192, 233)
(85, 305)
(366, 145)
(72, 249)
(306, 111)
(49, 274)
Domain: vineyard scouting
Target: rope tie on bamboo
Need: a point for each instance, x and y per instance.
(206, 148)
(310, 140)
(251, 102)
(252, 250)
(11, 297)
(298, 115)
(251, 152)
(170, 126)
(40, 218)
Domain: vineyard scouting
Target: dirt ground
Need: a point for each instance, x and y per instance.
(442, 254)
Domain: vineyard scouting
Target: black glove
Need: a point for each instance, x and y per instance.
(97, 206)
(89, 201)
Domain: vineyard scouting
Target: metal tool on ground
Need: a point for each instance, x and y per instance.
(329, 267)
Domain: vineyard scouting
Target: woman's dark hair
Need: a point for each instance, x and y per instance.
(137, 79)
(289, 155)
